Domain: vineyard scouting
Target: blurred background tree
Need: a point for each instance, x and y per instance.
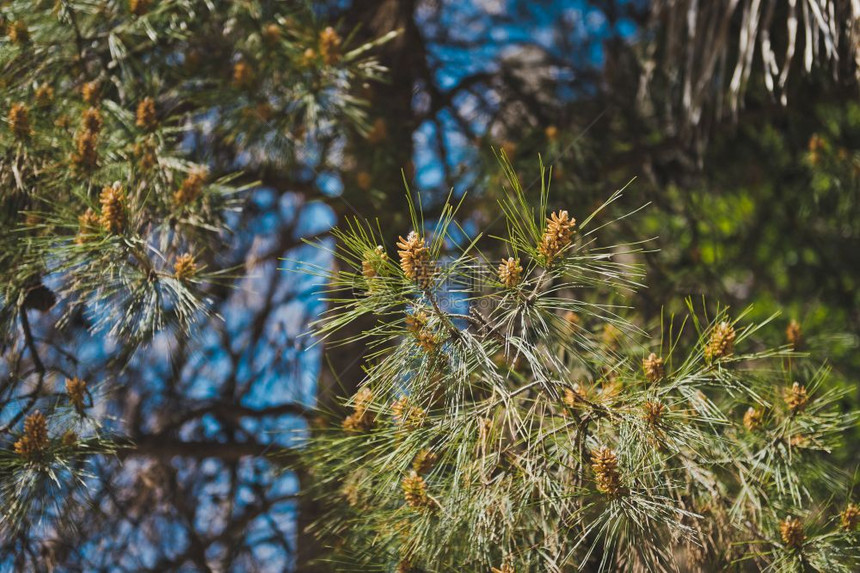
(752, 181)
(142, 315)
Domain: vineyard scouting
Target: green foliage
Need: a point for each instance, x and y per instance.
(540, 430)
(126, 127)
(114, 94)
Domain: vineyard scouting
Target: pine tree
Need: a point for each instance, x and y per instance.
(527, 425)
(131, 132)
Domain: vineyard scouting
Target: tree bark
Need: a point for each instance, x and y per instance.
(405, 59)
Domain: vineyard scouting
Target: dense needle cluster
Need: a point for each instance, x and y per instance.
(505, 437)
(107, 107)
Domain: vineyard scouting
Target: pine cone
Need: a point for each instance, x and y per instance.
(147, 118)
(407, 415)
(416, 321)
(510, 271)
(378, 132)
(90, 92)
(605, 465)
(794, 335)
(18, 33)
(92, 120)
(415, 259)
(362, 418)
(796, 398)
(19, 121)
(191, 188)
(573, 396)
(653, 367)
(849, 519)
(415, 492)
(427, 340)
(753, 419)
(145, 154)
(184, 268)
(424, 461)
(114, 218)
(88, 225)
(34, 442)
(44, 96)
(139, 7)
(373, 261)
(364, 180)
(330, 45)
(557, 236)
(721, 343)
(654, 412)
(792, 532)
(243, 75)
(77, 391)
(70, 439)
(86, 155)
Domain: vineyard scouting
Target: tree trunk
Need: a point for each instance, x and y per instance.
(405, 59)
